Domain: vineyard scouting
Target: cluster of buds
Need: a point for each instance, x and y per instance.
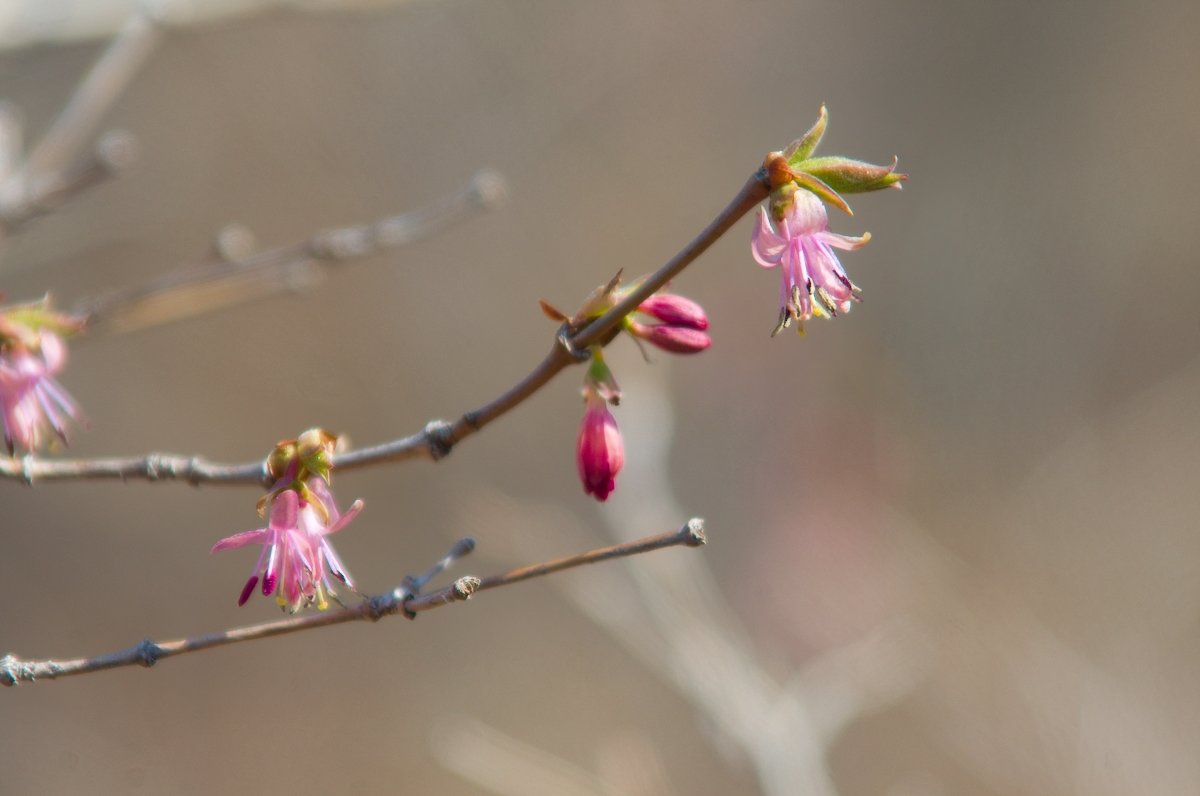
(666, 321)
(794, 234)
(32, 404)
(298, 563)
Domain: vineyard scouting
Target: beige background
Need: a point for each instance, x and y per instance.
(991, 465)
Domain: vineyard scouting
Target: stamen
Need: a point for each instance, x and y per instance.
(785, 320)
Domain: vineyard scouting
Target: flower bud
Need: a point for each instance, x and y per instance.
(675, 310)
(599, 452)
(675, 339)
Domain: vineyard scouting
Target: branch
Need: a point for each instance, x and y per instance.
(47, 177)
(438, 437)
(405, 600)
(233, 280)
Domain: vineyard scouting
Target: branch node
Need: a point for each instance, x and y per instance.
(10, 670)
(148, 653)
(193, 471)
(27, 469)
(489, 188)
(401, 597)
(380, 605)
(464, 587)
(564, 339)
(116, 151)
(695, 532)
(440, 435)
(154, 463)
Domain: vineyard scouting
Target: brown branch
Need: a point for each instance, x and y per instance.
(438, 437)
(405, 600)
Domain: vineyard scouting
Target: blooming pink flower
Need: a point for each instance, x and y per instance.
(802, 246)
(32, 403)
(600, 453)
(681, 327)
(297, 559)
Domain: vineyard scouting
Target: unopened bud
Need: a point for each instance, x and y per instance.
(675, 339)
(675, 310)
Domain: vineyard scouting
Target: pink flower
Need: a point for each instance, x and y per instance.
(600, 452)
(32, 403)
(802, 245)
(297, 559)
(681, 327)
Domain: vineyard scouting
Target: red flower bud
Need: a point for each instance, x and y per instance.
(600, 453)
(675, 339)
(675, 310)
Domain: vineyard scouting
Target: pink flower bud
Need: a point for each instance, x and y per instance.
(600, 453)
(675, 310)
(675, 339)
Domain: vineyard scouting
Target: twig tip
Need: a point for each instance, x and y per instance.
(695, 532)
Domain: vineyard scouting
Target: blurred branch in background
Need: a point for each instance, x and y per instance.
(242, 276)
(51, 173)
(406, 600)
(501, 764)
(673, 619)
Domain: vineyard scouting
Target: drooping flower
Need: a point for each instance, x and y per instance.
(795, 234)
(681, 327)
(799, 243)
(599, 453)
(298, 563)
(33, 405)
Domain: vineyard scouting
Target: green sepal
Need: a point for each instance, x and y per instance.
(601, 379)
(802, 148)
(826, 193)
(845, 175)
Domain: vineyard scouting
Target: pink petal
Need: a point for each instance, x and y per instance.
(240, 540)
(53, 351)
(284, 509)
(844, 242)
(345, 519)
(765, 244)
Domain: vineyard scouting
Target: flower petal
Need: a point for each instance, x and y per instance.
(766, 245)
(345, 519)
(843, 242)
(284, 510)
(242, 539)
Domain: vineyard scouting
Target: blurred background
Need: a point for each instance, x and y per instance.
(953, 535)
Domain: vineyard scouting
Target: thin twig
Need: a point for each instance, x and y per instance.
(401, 600)
(438, 437)
(191, 291)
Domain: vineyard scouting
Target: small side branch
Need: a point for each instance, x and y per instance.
(403, 600)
